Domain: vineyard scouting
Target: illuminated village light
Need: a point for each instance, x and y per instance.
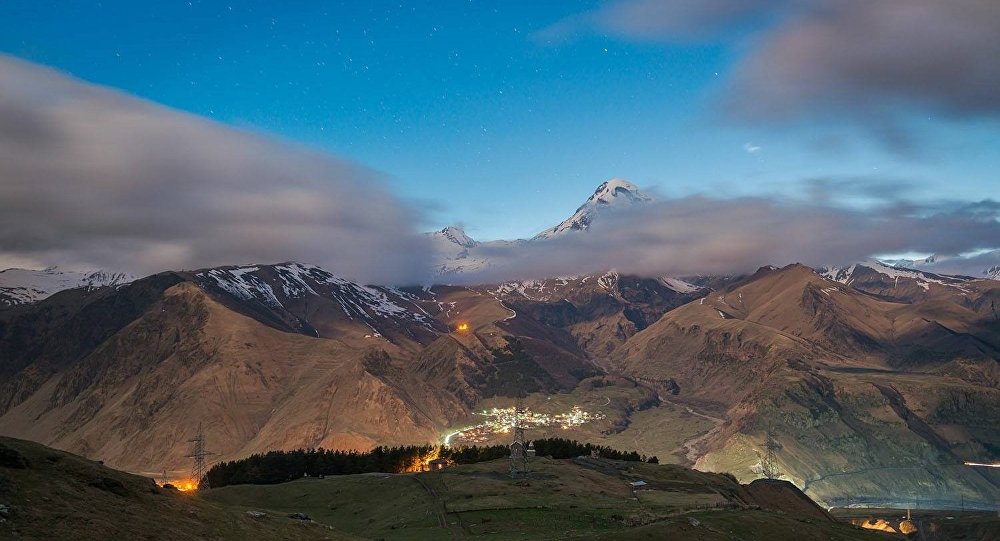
(462, 327)
(502, 420)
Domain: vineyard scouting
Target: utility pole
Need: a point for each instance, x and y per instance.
(518, 454)
(198, 453)
(768, 460)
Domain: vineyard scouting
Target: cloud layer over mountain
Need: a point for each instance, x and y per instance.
(703, 235)
(94, 178)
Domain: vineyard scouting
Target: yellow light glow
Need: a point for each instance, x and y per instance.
(183, 485)
(422, 462)
(874, 524)
(462, 327)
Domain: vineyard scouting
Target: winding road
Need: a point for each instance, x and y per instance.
(690, 447)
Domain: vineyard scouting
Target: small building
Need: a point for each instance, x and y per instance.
(437, 464)
(531, 449)
(637, 484)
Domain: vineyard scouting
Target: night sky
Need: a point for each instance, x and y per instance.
(489, 111)
(504, 116)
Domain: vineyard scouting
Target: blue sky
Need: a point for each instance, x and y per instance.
(474, 112)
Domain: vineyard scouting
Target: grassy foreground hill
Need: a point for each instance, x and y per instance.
(49, 494)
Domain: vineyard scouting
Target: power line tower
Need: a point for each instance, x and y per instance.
(768, 460)
(198, 453)
(518, 448)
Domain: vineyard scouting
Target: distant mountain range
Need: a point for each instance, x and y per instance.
(20, 286)
(876, 381)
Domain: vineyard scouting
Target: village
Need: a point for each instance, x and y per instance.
(503, 420)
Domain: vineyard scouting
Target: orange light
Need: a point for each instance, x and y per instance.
(183, 485)
(874, 524)
(462, 327)
(422, 462)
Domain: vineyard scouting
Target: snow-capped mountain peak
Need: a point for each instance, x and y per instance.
(456, 234)
(614, 194)
(615, 191)
(457, 253)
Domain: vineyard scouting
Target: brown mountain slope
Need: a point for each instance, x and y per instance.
(140, 394)
(853, 385)
(599, 312)
(265, 357)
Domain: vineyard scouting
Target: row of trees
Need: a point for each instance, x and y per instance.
(281, 466)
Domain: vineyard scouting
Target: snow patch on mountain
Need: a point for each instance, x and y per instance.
(258, 283)
(241, 283)
(846, 275)
(679, 285)
(537, 290)
(608, 281)
(22, 286)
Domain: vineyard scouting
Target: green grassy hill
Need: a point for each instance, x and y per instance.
(48, 494)
(560, 499)
(52, 495)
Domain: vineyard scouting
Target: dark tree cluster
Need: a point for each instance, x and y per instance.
(562, 448)
(281, 466)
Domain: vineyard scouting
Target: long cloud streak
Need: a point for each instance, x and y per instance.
(860, 57)
(90, 177)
